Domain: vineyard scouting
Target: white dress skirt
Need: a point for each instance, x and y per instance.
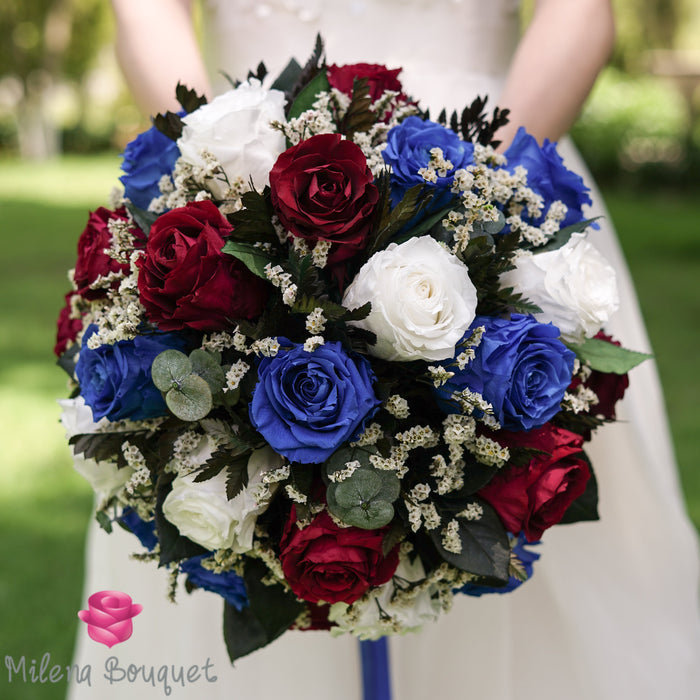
(611, 612)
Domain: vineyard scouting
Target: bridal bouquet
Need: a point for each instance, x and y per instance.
(335, 361)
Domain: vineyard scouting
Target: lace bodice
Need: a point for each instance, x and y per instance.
(450, 50)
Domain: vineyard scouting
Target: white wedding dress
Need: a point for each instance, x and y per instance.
(612, 610)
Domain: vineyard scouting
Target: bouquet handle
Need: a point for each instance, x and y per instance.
(376, 682)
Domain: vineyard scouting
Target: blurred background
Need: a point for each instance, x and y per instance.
(65, 115)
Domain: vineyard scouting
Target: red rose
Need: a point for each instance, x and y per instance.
(67, 328)
(534, 497)
(607, 386)
(380, 77)
(324, 562)
(322, 189)
(92, 261)
(186, 281)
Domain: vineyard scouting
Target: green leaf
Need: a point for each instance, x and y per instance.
(206, 365)
(365, 498)
(288, 77)
(253, 223)
(169, 368)
(255, 259)
(607, 357)
(272, 610)
(562, 236)
(169, 124)
(307, 96)
(104, 521)
(358, 117)
(236, 476)
(243, 632)
(191, 400)
(331, 310)
(144, 219)
(189, 100)
(585, 507)
(485, 546)
(424, 226)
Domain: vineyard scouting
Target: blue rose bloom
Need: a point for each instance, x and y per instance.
(521, 368)
(408, 150)
(115, 380)
(145, 160)
(307, 404)
(548, 176)
(145, 530)
(228, 585)
(526, 558)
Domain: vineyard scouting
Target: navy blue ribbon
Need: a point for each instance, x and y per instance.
(376, 684)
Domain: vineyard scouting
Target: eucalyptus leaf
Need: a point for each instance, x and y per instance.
(607, 357)
(104, 521)
(365, 498)
(254, 258)
(169, 369)
(191, 400)
(206, 365)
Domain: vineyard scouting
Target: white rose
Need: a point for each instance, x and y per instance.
(77, 418)
(422, 300)
(382, 612)
(575, 287)
(235, 128)
(106, 478)
(202, 512)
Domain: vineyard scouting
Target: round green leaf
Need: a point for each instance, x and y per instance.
(206, 365)
(373, 515)
(361, 488)
(169, 369)
(191, 400)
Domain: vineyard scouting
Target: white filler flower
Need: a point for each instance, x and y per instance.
(422, 300)
(235, 128)
(202, 512)
(575, 286)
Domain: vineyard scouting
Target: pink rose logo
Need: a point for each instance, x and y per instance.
(109, 616)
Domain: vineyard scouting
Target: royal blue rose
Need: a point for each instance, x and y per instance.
(521, 368)
(115, 380)
(307, 404)
(408, 150)
(145, 160)
(145, 530)
(548, 176)
(228, 585)
(526, 559)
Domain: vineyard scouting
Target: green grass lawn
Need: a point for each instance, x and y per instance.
(45, 506)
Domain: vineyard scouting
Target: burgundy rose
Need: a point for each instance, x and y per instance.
(92, 261)
(533, 497)
(324, 562)
(322, 189)
(607, 386)
(380, 78)
(67, 328)
(186, 281)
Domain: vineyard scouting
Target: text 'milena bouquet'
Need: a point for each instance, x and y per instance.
(334, 361)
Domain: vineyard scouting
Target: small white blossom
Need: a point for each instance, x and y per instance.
(397, 406)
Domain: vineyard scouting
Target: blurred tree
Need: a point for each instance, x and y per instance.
(44, 43)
